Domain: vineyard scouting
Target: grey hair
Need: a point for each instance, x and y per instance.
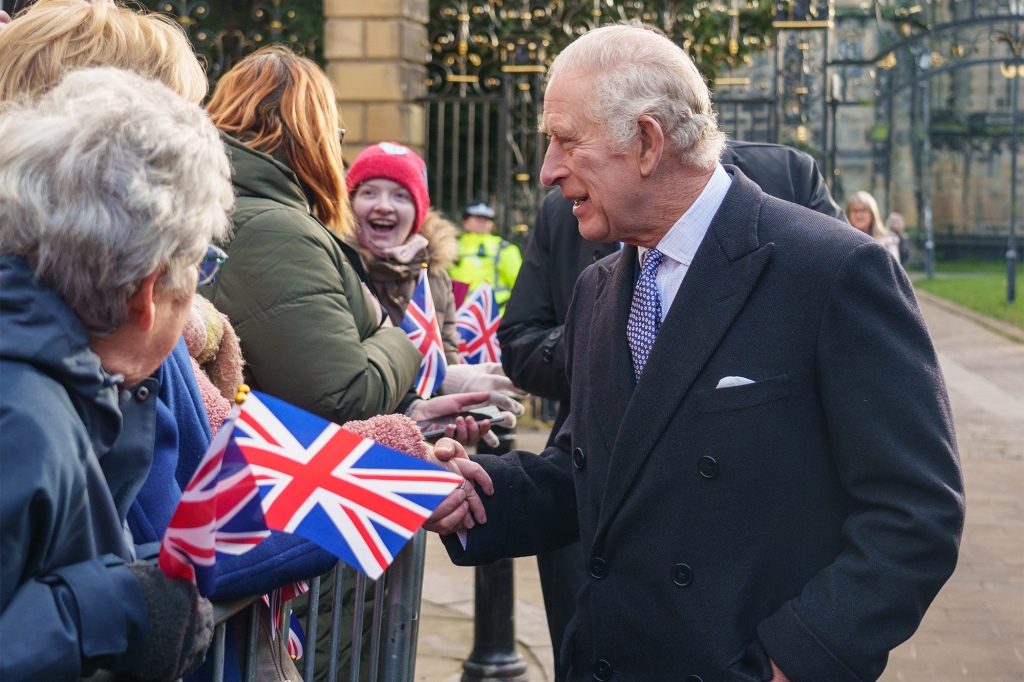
(636, 71)
(103, 181)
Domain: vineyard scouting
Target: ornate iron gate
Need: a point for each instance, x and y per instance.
(486, 74)
(943, 80)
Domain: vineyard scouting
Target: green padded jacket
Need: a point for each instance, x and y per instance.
(308, 328)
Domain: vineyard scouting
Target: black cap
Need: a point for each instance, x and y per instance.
(481, 209)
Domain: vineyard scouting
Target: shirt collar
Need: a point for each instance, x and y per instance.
(680, 243)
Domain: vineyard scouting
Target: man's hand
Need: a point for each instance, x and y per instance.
(451, 515)
(5, 18)
(777, 675)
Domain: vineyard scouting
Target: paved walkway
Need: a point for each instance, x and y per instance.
(974, 630)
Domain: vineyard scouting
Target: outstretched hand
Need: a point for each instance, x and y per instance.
(467, 430)
(463, 508)
(486, 376)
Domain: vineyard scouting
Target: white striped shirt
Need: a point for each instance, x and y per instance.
(680, 243)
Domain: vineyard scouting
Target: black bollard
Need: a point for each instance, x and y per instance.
(494, 657)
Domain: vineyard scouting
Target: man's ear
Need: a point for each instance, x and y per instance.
(652, 145)
(142, 305)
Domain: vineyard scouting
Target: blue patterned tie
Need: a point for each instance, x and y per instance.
(645, 313)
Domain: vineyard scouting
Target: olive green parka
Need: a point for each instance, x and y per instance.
(308, 328)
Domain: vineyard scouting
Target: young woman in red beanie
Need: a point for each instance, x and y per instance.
(396, 235)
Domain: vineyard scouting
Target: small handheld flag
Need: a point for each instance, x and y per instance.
(477, 322)
(356, 498)
(273, 465)
(420, 323)
(219, 511)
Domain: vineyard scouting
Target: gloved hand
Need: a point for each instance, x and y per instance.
(180, 625)
(487, 376)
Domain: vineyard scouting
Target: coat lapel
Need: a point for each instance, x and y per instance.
(611, 365)
(724, 271)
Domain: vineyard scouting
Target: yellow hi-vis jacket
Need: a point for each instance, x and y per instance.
(487, 258)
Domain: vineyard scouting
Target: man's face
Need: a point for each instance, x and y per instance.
(477, 224)
(603, 186)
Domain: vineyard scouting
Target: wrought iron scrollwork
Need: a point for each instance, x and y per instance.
(224, 32)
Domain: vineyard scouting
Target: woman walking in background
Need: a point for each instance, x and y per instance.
(862, 212)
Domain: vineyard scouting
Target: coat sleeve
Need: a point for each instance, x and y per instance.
(891, 436)
(810, 187)
(533, 508)
(530, 334)
(303, 322)
(62, 623)
(279, 560)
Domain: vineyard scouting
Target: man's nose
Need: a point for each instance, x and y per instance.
(553, 169)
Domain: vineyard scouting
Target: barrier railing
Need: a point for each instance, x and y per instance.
(393, 632)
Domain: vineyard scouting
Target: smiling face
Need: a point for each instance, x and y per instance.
(385, 214)
(603, 186)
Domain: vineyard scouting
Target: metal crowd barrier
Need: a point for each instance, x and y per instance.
(395, 626)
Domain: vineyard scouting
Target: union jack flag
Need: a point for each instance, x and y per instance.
(357, 499)
(219, 511)
(477, 321)
(296, 638)
(420, 323)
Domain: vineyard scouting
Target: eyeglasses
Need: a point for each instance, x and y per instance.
(210, 265)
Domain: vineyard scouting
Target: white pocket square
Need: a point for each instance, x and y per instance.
(729, 382)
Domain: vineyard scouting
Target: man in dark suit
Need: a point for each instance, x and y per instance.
(759, 461)
(531, 331)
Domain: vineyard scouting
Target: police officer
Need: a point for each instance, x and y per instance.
(484, 256)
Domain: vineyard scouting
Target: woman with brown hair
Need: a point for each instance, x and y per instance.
(310, 331)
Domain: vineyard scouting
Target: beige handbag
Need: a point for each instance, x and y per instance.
(273, 664)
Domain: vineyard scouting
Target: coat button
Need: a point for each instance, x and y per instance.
(694, 678)
(555, 334)
(579, 460)
(708, 467)
(141, 394)
(598, 568)
(602, 670)
(682, 575)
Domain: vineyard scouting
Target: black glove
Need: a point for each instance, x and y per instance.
(180, 625)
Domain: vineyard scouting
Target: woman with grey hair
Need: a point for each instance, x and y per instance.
(111, 189)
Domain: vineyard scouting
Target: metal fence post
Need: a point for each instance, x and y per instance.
(494, 657)
(402, 619)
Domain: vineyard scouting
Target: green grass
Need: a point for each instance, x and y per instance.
(983, 292)
(972, 267)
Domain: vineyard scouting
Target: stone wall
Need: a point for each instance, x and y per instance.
(375, 52)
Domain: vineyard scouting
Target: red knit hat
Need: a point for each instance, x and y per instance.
(396, 163)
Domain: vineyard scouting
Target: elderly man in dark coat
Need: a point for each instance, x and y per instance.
(532, 329)
(759, 461)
